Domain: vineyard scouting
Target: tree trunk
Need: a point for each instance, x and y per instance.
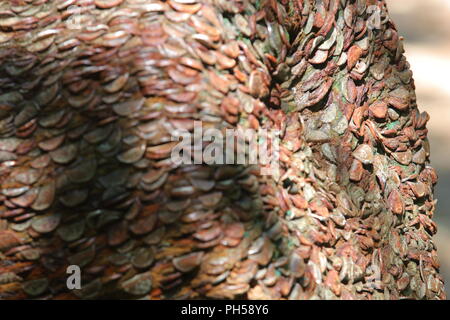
(92, 93)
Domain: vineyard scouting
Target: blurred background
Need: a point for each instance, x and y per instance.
(425, 26)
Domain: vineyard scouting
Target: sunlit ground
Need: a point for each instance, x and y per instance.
(425, 25)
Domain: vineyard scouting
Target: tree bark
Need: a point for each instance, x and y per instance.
(92, 92)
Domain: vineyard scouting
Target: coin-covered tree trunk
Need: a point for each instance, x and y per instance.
(91, 92)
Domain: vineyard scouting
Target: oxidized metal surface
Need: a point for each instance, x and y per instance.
(86, 116)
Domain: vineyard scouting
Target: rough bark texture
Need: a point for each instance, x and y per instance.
(85, 137)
